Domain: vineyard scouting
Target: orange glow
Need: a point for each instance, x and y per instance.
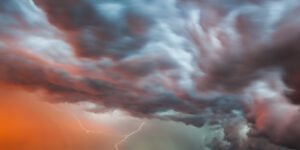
(27, 123)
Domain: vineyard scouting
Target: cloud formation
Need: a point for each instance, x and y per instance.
(197, 62)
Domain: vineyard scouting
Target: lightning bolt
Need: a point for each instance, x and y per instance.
(125, 137)
(88, 131)
(80, 124)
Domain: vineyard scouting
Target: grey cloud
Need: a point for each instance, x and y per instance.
(196, 58)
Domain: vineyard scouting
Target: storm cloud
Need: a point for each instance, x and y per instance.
(230, 64)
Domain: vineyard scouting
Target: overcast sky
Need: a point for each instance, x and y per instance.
(149, 74)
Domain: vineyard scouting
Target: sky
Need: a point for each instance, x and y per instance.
(149, 74)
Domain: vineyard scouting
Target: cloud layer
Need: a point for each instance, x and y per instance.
(231, 64)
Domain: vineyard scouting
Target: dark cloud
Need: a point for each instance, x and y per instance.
(32, 74)
(198, 62)
(92, 31)
(235, 72)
